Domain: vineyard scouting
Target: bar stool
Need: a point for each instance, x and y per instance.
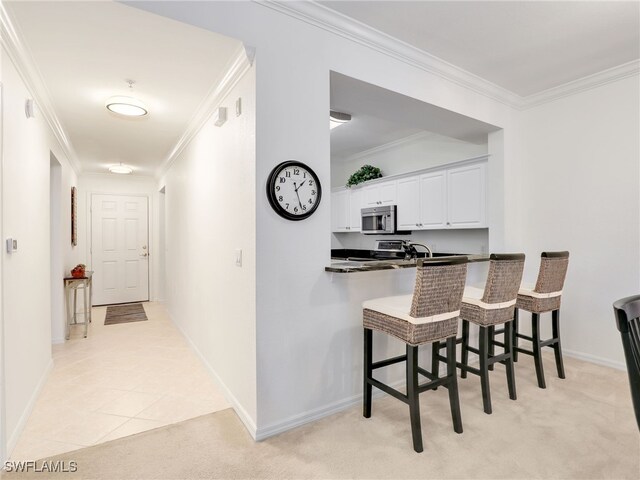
(429, 315)
(544, 297)
(487, 308)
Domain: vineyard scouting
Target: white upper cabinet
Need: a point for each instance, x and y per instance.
(422, 201)
(449, 198)
(345, 210)
(355, 207)
(340, 211)
(445, 198)
(408, 214)
(383, 193)
(433, 200)
(466, 196)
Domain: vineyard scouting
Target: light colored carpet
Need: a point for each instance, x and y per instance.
(582, 427)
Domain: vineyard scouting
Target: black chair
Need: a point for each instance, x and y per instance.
(627, 311)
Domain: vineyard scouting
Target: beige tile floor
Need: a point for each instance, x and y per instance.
(120, 380)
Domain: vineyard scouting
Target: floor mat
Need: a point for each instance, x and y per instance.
(133, 312)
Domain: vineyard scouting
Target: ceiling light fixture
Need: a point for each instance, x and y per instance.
(128, 106)
(337, 118)
(120, 168)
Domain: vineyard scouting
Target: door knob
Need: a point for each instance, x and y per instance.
(145, 254)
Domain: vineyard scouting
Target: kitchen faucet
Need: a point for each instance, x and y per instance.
(411, 252)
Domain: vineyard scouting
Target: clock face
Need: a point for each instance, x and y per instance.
(293, 190)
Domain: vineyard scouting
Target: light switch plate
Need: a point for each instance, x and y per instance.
(238, 106)
(238, 258)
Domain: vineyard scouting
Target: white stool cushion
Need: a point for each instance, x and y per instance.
(473, 296)
(400, 305)
(528, 291)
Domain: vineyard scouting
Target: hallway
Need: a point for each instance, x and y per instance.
(122, 379)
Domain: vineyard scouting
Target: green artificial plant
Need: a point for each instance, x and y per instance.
(367, 172)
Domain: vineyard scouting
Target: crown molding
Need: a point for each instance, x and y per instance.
(586, 83)
(22, 60)
(386, 146)
(332, 21)
(240, 63)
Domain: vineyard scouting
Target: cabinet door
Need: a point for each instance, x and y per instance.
(340, 211)
(355, 205)
(388, 193)
(433, 200)
(466, 197)
(380, 194)
(408, 203)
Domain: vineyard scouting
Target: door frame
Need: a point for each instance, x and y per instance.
(151, 239)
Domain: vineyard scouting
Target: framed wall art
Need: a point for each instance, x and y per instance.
(74, 216)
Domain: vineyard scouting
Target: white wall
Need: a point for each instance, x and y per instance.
(110, 183)
(27, 146)
(210, 200)
(309, 333)
(579, 189)
(415, 153)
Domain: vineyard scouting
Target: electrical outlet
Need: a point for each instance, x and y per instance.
(238, 257)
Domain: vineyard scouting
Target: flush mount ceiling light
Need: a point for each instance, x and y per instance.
(120, 168)
(337, 118)
(125, 105)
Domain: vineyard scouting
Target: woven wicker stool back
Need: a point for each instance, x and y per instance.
(553, 270)
(439, 286)
(503, 279)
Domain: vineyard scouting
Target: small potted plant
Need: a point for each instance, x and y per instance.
(366, 172)
(78, 270)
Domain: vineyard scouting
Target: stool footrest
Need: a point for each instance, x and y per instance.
(498, 358)
(525, 337)
(522, 350)
(467, 368)
(388, 361)
(387, 389)
(548, 343)
(440, 382)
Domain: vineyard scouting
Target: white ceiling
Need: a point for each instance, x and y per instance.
(523, 46)
(380, 116)
(85, 51)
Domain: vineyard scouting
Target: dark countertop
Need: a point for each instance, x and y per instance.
(346, 266)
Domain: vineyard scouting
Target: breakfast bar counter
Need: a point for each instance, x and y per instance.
(350, 266)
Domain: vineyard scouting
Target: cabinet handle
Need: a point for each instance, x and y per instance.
(448, 223)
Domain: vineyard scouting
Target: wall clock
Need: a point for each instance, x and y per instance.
(293, 190)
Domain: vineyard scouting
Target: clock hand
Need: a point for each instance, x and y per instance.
(298, 188)
(300, 202)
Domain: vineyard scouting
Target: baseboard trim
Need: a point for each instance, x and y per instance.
(15, 436)
(300, 419)
(595, 359)
(244, 416)
(57, 341)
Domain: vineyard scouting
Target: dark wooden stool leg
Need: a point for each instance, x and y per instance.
(368, 372)
(537, 350)
(435, 361)
(508, 348)
(492, 339)
(515, 335)
(413, 397)
(452, 375)
(464, 356)
(484, 370)
(555, 325)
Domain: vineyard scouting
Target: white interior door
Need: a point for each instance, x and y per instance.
(119, 249)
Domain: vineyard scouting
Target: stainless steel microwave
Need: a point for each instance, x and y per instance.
(379, 220)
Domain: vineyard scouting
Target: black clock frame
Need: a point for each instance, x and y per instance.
(271, 195)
